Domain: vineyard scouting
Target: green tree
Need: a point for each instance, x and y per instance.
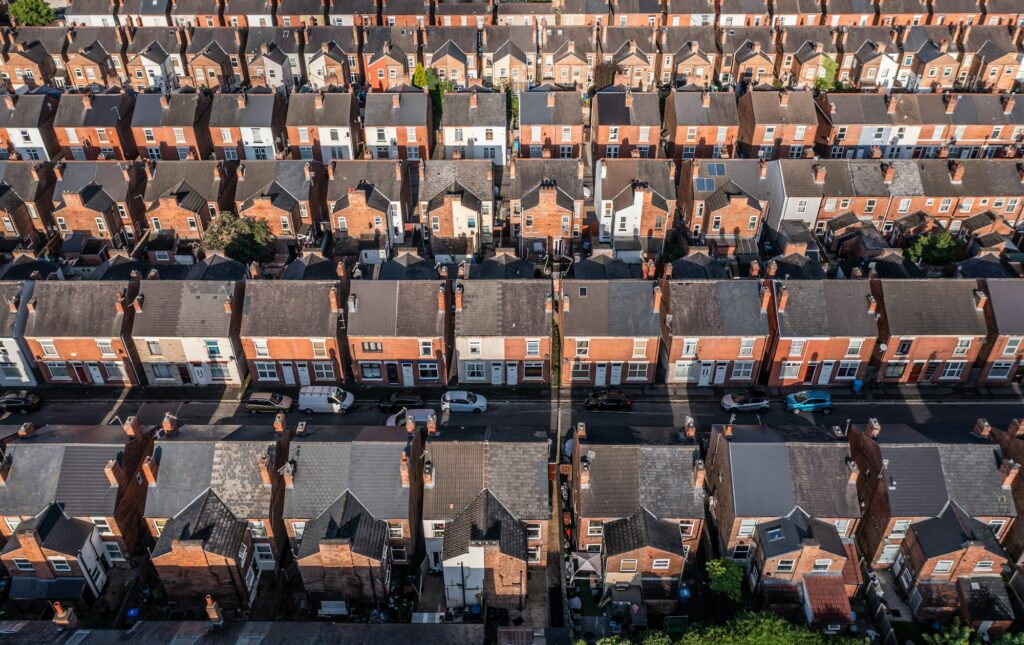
(760, 629)
(657, 638)
(828, 80)
(31, 13)
(419, 76)
(936, 249)
(956, 633)
(726, 578)
(241, 238)
(1010, 639)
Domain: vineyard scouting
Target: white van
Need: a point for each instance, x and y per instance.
(325, 398)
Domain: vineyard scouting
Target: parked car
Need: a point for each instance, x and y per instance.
(268, 402)
(748, 401)
(399, 400)
(608, 400)
(809, 401)
(21, 401)
(463, 401)
(325, 398)
(420, 415)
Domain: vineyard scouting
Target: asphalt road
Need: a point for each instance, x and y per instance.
(938, 416)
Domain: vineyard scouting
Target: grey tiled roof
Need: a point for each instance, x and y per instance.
(642, 529)
(412, 110)
(610, 308)
(717, 308)
(184, 309)
(951, 531)
(56, 531)
(256, 111)
(98, 183)
(396, 308)
(510, 462)
(1007, 298)
(346, 519)
(767, 108)
(206, 518)
(336, 110)
(795, 528)
(932, 308)
(690, 110)
(278, 310)
(534, 110)
(485, 519)
(508, 308)
(285, 182)
(76, 310)
(106, 110)
(329, 460)
(612, 108)
(490, 110)
(827, 308)
(183, 109)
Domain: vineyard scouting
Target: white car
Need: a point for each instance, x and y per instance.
(463, 401)
(419, 415)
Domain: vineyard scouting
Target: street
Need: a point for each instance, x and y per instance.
(939, 416)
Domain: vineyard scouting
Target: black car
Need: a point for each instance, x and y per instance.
(608, 400)
(20, 401)
(400, 400)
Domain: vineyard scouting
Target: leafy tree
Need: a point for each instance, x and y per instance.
(956, 633)
(1010, 639)
(657, 638)
(726, 578)
(828, 80)
(419, 76)
(936, 249)
(760, 629)
(31, 13)
(241, 238)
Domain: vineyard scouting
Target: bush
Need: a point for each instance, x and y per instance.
(31, 13)
(242, 239)
(726, 578)
(760, 629)
(936, 249)
(828, 81)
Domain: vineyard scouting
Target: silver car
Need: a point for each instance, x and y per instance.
(419, 415)
(745, 402)
(463, 401)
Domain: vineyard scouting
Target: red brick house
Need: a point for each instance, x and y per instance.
(95, 58)
(689, 56)
(77, 332)
(601, 347)
(635, 200)
(748, 55)
(624, 123)
(934, 330)
(247, 125)
(184, 196)
(701, 124)
(453, 54)
(405, 13)
(397, 332)
(824, 332)
(28, 189)
(723, 204)
(283, 347)
(286, 194)
(902, 13)
(89, 125)
(397, 125)
(775, 125)
(547, 205)
(568, 55)
(803, 54)
(632, 53)
(1005, 352)
(99, 199)
(390, 55)
(929, 58)
(989, 58)
(369, 204)
(869, 56)
(213, 58)
(33, 57)
(551, 124)
(172, 126)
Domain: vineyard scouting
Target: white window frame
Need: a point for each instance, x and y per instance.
(628, 565)
(661, 564)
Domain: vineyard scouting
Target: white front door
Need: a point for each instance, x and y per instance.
(407, 378)
(706, 370)
(601, 374)
(512, 369)
(199, 375)
(720, 370)
(303, 369)
(826, 372)
(94, 373)
(289, 374)
(496, 373)
(616, 373)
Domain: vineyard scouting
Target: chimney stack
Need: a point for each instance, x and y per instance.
(442, 300)
(629, 98)
(766, 297)
(396, 101)
(690, 427)
(890, 104)
(699, 474)
(819, 173)
(657, 298)
(26, 429)
(241, 99)
(150, 469)
(874, 427)
(980, 299)
(64, 617)
(115, 475)
(458, 298)
(473, 102)
(335, 300)
(783, 98)
(872, 305)
(705, 98)
(264, 468)
(956, 172)
(213, 612)
(1008, 103)
(432, 425)
(1009, 469)
(888, 173)
(550, 99)
(982, 427)
(227, 305)
(280, 424)
(762, 166)
(131, 426)
(581, 432)
(950, 100)
(854, 472)
(410, 424)
(403, 469)
(1016, 428)
(288, 474)
(170, 423)
(783, 298)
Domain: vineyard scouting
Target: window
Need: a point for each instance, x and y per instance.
(997, 526)
(746, 347)
(687, 528)
(60, 565)
(855, 347)
(532, 347)
(426, 347)
(639, 347)
(115, 371)
(12, 524)
(533, 532)
(102, 525)
(1000, 369)
(595, 528)
(746, 528)
(113, 551)
(58, 371)
(1012, 346)
(821, 565)
(580, 370)
(148, 134)
(613, 134)
(298, 528)
(785, 566)
(636, 371)
(627, 566)
(49, 349)
(319, 348)
(398, 554)
(847, 370)
(943, 566)
(661, 564)
(953, 369)
(266, 371)
(742, 370)
(370, 371)
(582, 347)
(962, 346)
(899, 528)
(213, 349)
(161, 371)
(437, 529)
(984, 565)
(842, 527)
(396, 531)
(21, 564)
(903, 348)
(689, 347)
(790, 370)
(769, 133)
(260, 344)
(895, 369)
(323, 371)
(741, 552)
(427, 371)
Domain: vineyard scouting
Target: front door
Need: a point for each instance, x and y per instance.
(601, 374)
(616, 373)
(80, 373)
(392, 373)
(512, 372)
(812, 369)
(303, 370)
(720, 370)
(826, 372)
(496, 373)
(407, 378)
(929, 373)
(199, 375)
(289, 374)
(915, 372)
(706, 370)
(94, 372)
(186, 376)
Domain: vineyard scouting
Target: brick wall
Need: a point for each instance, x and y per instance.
(335, 570)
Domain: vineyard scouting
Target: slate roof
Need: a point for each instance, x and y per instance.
(563, 41)
(620, 178)
(206, 518)
(282, 39)
(284, 182)
(518, 41)
(490, 110)
(143, 7)
(502, 266)
(827, 308)
(9, 290)
(677, 40)
(95, 43)
(611, 108)
(952, 530)
(30, 111)
(642, 529)
(766, 108)
(75, 310)
(224, 458)
(1007, 298)
(183, 309)
(345, 519)
(932, 308)
(276, 309)
(183, 109)
(215, 42)
(395, 308)
(458, 42)
(787, 535)
(485, 519)
(509, 308)
(774, 471)
(533, 175)
(257, 111)
(155, 43)
(609, 308)
(698, 266)
(99, 183)
(716, 308)
(342, 40)
(510, 462)
(194, 184)
(689, 109)
(336, 110)
(408, 266)
(413, 109)
(603, 266)
(56, 531)
(801, 40)
(985, 598)
(534, 110)
(739, 40)
(329, 460)
(397, 42)
(105, 110)
(618, 40)
(990, 42)
(473, 179)
(53, 40)
(63, 464)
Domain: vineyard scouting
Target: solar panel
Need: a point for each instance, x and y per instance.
(716, 170)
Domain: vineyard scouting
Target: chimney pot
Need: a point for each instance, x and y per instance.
(26, 429)
(980, 299)
(132, 427)
(280, 423)
(170, 423)
(874, 427)
(403, 467)
(982, 427)
(114, 473)
(264, 467)
(872, 305)
(1009, 470)
(699, 474)
(1016, 428)
(432, 425)
(458, 298)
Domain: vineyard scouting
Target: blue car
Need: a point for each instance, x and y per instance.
(809, 401)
